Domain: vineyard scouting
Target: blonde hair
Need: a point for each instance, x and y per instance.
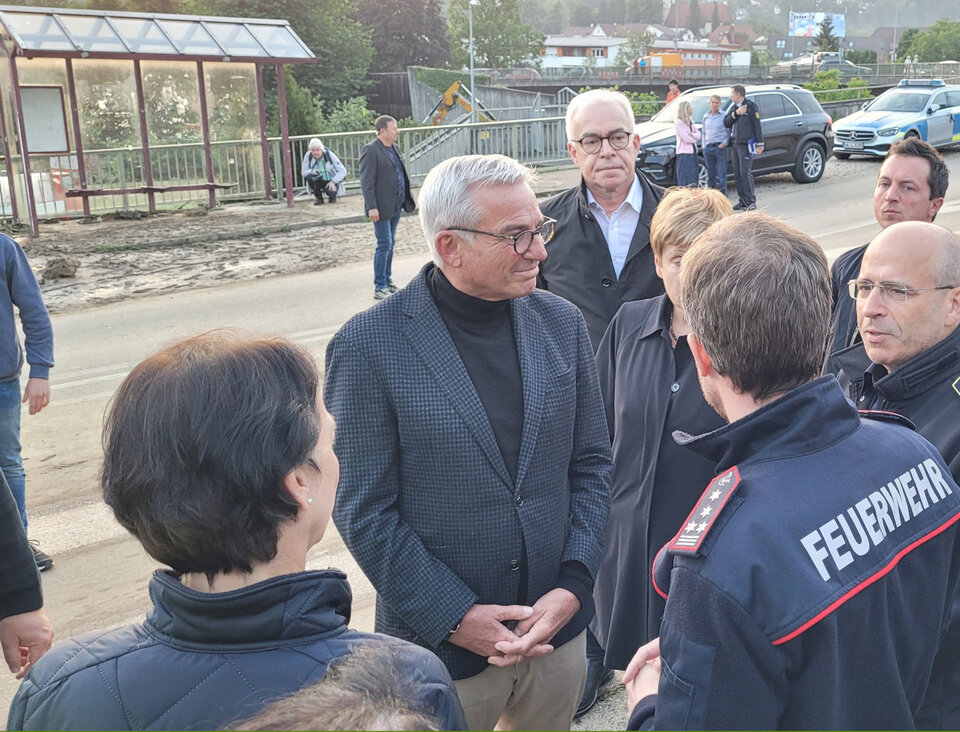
(684, 214)
(685, 111)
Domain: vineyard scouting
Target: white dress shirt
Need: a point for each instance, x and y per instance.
(618, 229)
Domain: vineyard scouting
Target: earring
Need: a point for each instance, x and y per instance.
(309, 500)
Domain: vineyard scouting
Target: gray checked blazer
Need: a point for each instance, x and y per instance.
(426, 504)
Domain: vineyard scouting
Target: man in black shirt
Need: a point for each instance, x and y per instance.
(475, 458)
(743, 119)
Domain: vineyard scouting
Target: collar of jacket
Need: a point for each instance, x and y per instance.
(920, 373)
(584, 205)
(802, 421)
(657, 318)
(282, 608)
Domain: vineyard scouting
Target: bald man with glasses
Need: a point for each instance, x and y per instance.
(600, 257)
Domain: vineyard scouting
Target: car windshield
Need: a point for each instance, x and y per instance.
(699, 102)
(894, 101)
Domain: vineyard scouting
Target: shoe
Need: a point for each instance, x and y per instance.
(43, 560)
(751, 207)
(318, 203)
(597, 676)
(392, 287)
(382, 294)
(739, 207)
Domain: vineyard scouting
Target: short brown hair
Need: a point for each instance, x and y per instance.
(739, 89)
(382, 122)
(939, 176)
(197, 442)
(683, 214)
(756, 293)
(369, 688)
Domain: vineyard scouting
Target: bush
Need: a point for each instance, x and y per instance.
(826, 87)
(643, 103)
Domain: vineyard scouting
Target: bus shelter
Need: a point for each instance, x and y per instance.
(98, 108)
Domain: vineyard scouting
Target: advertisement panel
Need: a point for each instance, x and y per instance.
(807, 25)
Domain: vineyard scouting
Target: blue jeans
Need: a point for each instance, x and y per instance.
(386, 231)
(10, 461)
(715, 159)
(687, 169)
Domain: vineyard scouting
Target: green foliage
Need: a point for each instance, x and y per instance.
(301, 110)
(171, 101)
(825, 39)
(715, 20)
(405, 33)
(441, 79)
(643, 103)
(762, 57)
(693, 16)
(826, 86)
(634, 48)
(582, 14)
(861, 57)
(905, 41)
(500, 38)
(644, 11)
(940, 43)
(349, 115)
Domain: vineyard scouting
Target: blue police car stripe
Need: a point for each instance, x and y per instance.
(704, 514)
(868, 581)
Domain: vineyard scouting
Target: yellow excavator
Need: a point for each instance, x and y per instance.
(456, 93)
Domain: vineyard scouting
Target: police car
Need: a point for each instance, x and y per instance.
(924, 108)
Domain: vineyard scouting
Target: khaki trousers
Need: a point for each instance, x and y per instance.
(541, 694)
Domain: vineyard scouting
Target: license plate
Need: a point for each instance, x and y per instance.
(853, 145)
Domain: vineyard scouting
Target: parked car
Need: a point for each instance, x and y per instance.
(797, 133)
(848, 70)
(924, 108)
(522, 74)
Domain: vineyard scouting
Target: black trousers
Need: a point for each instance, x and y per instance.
(743, 170)
(318, 186)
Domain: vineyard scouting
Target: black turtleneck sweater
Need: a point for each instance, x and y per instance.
(482, 332)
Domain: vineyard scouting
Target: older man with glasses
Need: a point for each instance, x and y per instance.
(601, 256)
(908, 311)
(475, 459)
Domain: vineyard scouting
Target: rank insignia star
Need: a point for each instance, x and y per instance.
(692, 526)
(704, 515)
(701, 527)
(706, 511)
(715, 495)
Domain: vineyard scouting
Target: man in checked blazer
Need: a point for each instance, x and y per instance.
(475, 457)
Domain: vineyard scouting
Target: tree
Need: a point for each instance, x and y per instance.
(405, 33)
(603, 12)
(328, 27)
(634, 48)
(500, 38)
(825, 39)
(904, 43)
(715, 19)
(861, 57)
(618, 11)
(941, 42)
(644, 11)
(693, 16)
(582, 14)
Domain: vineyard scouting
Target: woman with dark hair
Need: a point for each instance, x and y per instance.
(219, 459)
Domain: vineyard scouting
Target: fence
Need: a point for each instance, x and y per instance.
(239, 163)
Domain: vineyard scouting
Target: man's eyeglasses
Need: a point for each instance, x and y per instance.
(861, 289)
(522, 241)
(591, 144)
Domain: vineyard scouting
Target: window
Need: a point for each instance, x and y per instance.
(770, 105)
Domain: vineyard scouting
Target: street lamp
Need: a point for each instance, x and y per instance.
(473, 93)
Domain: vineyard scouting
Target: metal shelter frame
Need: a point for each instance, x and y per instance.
(68, 34)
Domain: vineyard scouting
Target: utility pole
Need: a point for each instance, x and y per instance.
(473, 93)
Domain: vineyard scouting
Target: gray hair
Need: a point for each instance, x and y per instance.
(597, 95)
(949, 260)
(315, 144)
(446, 197)
(757, 294)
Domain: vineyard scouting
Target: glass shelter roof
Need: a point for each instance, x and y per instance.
(108, 34)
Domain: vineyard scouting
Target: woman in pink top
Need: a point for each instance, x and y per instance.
(687, 138)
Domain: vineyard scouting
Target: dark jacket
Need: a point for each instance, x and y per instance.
(579, 268)
(426, 504)
(744, 127)
(843, 326)
(378, 180)
(204, 661)
(21, 290)
(812, 587)
(19, 581)
(652, 494)
(925, 390)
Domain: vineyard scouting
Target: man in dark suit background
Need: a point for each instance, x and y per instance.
(601, 257)
(743, 119)
(475, 458)
(386, 194)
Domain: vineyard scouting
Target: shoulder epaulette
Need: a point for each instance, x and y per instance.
(704, 514)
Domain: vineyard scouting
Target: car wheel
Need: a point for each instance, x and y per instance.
(841, 155)
(702, 180)
(809, 165)
(911, 133)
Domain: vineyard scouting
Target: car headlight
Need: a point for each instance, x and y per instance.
(889, 131)
(660, 150)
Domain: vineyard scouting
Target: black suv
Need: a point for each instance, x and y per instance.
(797, 133)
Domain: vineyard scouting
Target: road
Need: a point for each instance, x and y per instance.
(101, 574)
